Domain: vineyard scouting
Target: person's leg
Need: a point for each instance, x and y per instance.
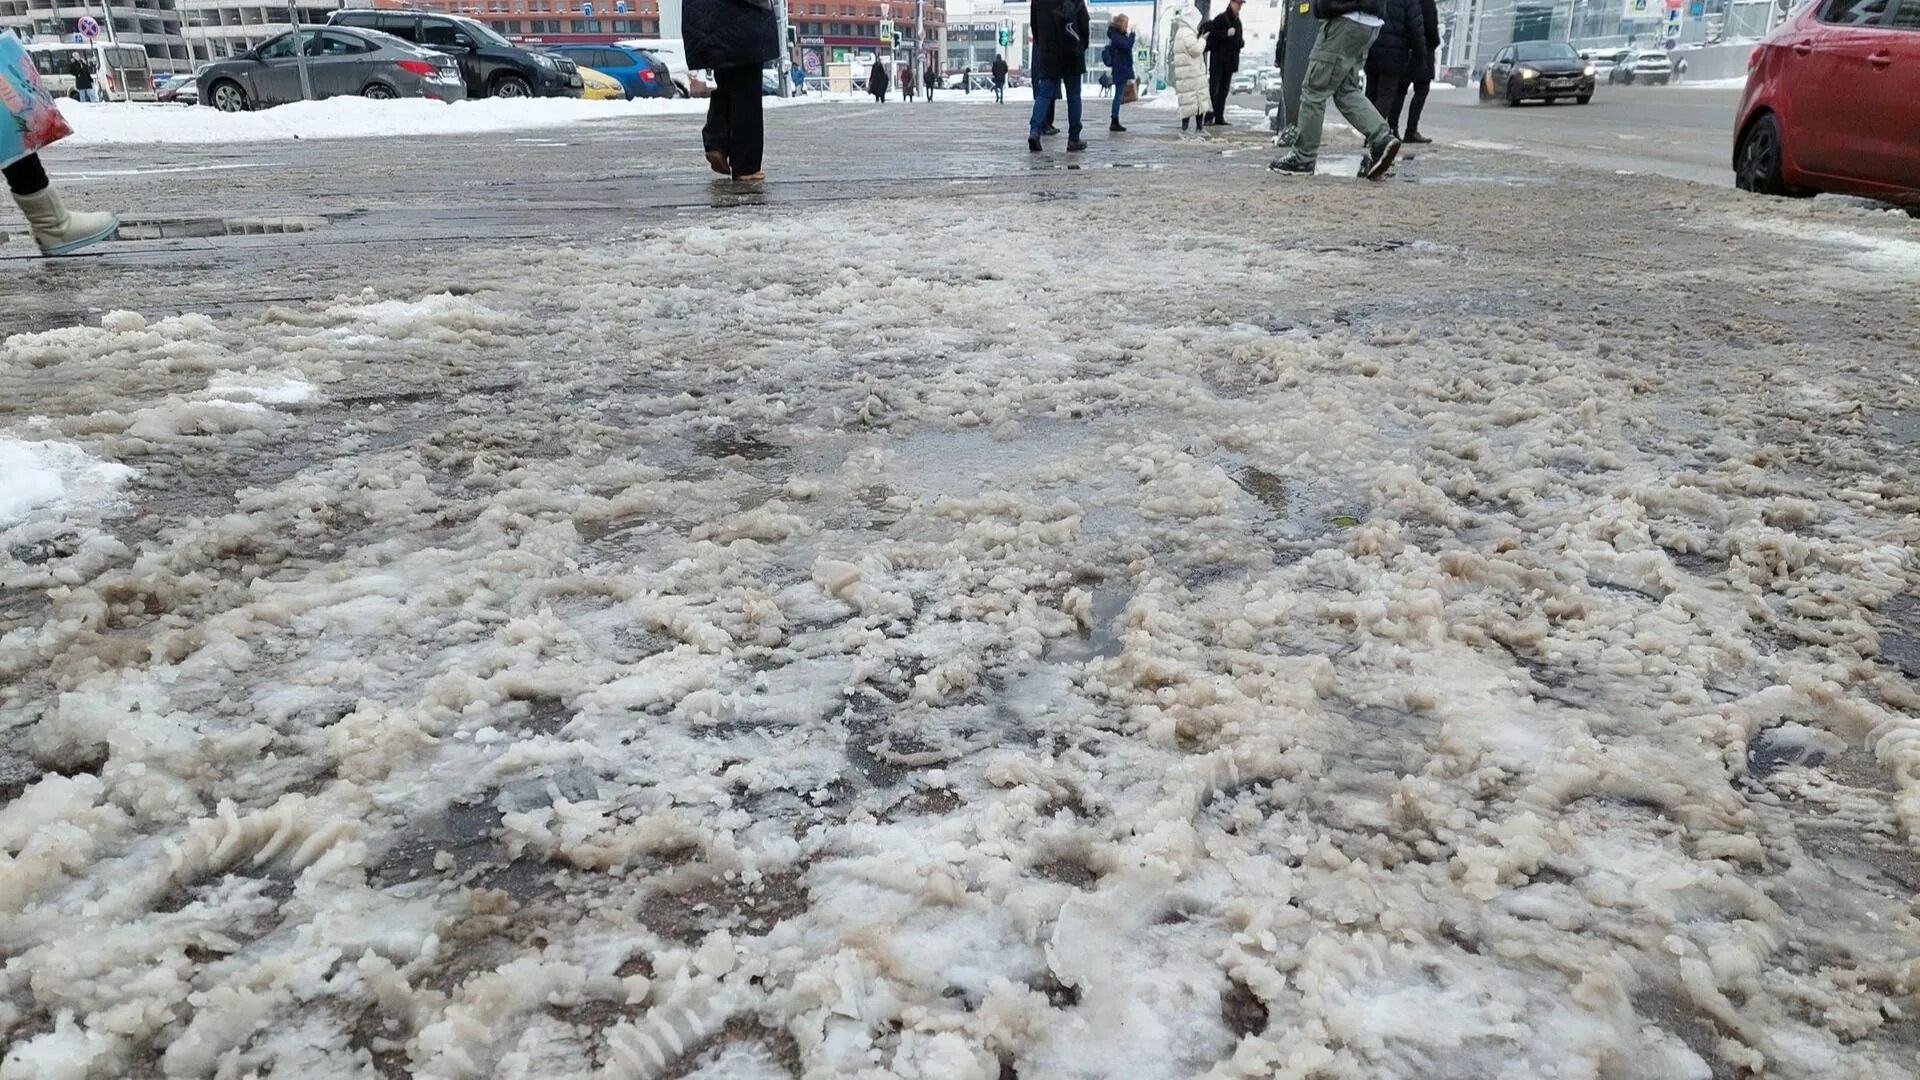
(1218, 79)
(716, 135)
(26, 176)
(1043, 91)
(1073, 111)
(1118, 93)
(1347, 95)
(1323, 76)
(1419, 101)
(745, 121)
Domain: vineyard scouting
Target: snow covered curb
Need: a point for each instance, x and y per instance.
(354, 118)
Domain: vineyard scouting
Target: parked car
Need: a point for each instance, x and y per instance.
(1833, 104)
(1545, 70)
(340, 61)
(642, 74)
(1242, 83)
(1606, 61)
(490, 65)
(671, 52)
(597, 86)
(177, 89)
(1457, 75)
(1264, 78)
(1649, 68)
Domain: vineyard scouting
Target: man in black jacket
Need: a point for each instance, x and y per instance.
(1422, 76)
(734, 38)
(1225, 38)
(1333, 70)
(1059, 61)
(1390, 61)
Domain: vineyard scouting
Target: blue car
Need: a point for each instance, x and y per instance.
(641, 75)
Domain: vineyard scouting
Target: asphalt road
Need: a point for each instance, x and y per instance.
(1682, 132)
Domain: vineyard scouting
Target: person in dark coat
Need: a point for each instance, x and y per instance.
(1059, 64)
(877, 81)
(1402, 37)
(906, 82)
(933, 76)
(82, 72)
(734, 38)
(1421, 75)
(1225, 37)
(1120, 41)
(999, 79)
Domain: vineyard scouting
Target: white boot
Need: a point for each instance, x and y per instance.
(57, 230)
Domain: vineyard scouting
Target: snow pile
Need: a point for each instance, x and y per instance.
(51, 479)
(955, 666)
(354, 118)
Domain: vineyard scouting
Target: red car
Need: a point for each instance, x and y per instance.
(1833, 104)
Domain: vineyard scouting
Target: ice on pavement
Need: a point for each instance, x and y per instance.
(48, 479)
(948, 668)
(354, 118)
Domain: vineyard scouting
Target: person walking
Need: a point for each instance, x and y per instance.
(1333, 70)
(1120, 61)
(999, 80)
(933, 76)
(1225, 38)
(734, 38)
(1059, 65)
(1390, 60)
(82, 72)
(1422, 77)
(966, 79)
(877, 82)
(29, 123)
(1187, 74)
(906, 82)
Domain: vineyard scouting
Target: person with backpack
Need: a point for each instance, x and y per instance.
(1118, 56)
(999, 80)
(734, 38)
(1346, 36)
(1225, 38)
(1059, 64)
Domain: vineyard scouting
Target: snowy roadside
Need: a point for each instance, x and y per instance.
(354, 118)
(1395, 664)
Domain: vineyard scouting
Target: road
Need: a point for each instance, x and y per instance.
(955, 612)
(1682, 132)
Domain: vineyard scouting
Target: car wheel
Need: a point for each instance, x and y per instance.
(1513, 96)
(1762, 158)
(379, 92)
(1583, 99)
(228, 97)
(511, 86)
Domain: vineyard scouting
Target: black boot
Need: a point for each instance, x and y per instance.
(1114, 125)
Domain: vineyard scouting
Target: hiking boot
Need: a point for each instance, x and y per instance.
(1377, 160)
(1291, 166)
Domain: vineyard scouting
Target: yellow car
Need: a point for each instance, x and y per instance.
(598, 86)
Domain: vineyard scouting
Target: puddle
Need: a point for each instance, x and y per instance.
(934, 463)
(180, 227)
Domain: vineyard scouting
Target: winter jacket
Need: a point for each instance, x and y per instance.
(933, 77)
(82, 73)
(729, 33)
(999, 72)
(1187, 59)
(1400, 40)
(1333, 9)
(1423, 62)
(1120, 55)
(877, 80)
(1059, 39)
(1225, 38)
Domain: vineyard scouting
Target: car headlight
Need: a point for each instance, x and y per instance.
(1529, 73)
(1591, 71)
(544, 61)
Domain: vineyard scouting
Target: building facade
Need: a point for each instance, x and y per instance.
(154, 25)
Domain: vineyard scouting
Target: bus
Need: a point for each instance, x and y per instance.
(120, 72)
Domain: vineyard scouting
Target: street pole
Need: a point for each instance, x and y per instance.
(300, 53)
(112, 39)
(783, 72)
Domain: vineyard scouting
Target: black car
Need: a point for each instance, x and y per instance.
(1546, 70)
(491, 65)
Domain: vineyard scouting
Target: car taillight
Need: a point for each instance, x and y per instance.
(646, 76)
(418, 67)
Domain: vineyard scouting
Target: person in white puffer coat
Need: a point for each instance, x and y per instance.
(1187, 62)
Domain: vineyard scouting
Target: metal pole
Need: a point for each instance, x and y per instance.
(782, 70)
(300, 53)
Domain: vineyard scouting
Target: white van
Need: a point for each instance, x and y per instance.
(120, 72)
(673, 53)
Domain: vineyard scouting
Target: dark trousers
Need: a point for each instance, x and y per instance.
(1220, 81)
(26, 177)
(734, 122)
(1385, 90)
(1420, 89)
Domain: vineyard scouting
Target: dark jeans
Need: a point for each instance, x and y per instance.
(1220, 80)
(26, 177)
(1044, 93)
(1413, 111)
(734, 122)
(1386, 90)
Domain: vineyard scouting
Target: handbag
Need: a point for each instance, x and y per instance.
(1132, 93)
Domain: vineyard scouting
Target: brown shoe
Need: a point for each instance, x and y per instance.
(750, 178)
(717, 161)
